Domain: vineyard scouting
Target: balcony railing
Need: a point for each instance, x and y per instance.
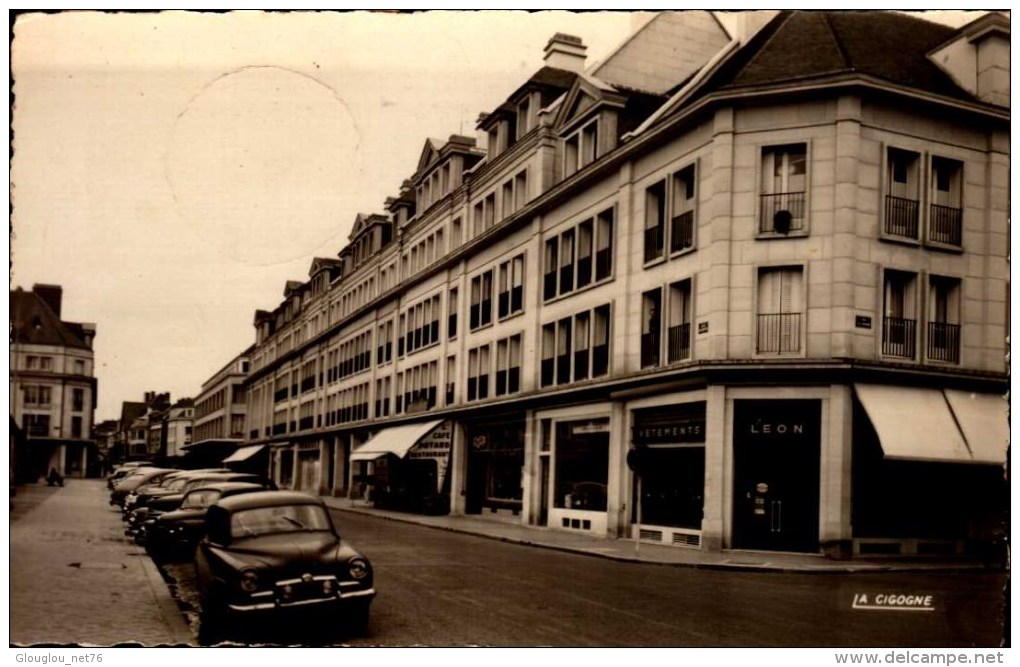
(898, 337)
(681, 232)
(678, 344)
(945, 225)
(783, 201)
(944, 342)
(901, 217)
(650, 349)
(779, 332)
(654, 242)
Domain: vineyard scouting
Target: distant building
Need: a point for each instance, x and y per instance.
(720, 291)
(220, 410)
(140, 431)
(178, 426)
(52, 385)
(105, 436)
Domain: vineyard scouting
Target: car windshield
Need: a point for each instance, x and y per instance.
(200, 499)
(279, 519)
(177, 484)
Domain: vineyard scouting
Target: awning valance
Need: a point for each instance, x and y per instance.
(244, 453)
(984, 422)
(397, 440)
(917, 424)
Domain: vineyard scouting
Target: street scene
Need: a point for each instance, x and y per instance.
(674, 329)
(448, 585)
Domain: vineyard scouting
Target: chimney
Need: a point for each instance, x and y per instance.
(51, 295)
(89, 330)
(565, 52)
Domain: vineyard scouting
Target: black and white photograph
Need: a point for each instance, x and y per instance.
(661, 329)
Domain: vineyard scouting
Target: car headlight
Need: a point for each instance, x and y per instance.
(249, 580)
(358, 567)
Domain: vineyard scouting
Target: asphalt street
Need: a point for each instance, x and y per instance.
(439, 588)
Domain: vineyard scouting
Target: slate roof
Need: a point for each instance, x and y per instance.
(798, 45)
(33, 322)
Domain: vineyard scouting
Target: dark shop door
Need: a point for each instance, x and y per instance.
(776, 452)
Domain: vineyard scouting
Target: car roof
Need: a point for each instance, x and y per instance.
(226, 486)
(268, 499)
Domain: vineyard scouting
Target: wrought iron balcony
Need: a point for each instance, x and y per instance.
(782, 201)
(901, 217)
(681, 232)
(898, 337)
(944, 342)
(678, 343)
(945, 225)
(779, 332)
(654, 242)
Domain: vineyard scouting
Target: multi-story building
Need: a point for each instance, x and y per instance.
(52, 385)
(177, 427)
(141, 433)
(721, 290)
(220, 410)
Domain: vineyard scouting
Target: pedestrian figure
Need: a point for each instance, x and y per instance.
(54, 478)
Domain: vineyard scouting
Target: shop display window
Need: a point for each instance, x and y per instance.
(582, 465)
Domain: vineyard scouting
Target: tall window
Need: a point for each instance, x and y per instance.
(568, 264)
(508, 365)
(581, 148)
(945, 222)
(899, 323)
(451, 314)
(651, 327)
(451, 379)
(481, 300)
(510, 299)
(780, 299)
(77, 399)
(478, 373)
(678, 335)
(903, 192)
(783, 188)
(681, 226)
(575, 348)
(944, 319)
(655, 221)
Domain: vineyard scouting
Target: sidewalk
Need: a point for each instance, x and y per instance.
(76, 579)
(625, 549)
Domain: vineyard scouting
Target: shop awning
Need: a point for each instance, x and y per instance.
(397, 440)
(913, 424)
(984, 422)
(244, 453)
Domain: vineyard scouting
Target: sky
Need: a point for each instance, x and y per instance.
(173, 170)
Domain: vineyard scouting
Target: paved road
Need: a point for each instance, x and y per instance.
(448, 589)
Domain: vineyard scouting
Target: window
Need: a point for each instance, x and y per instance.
(77, 399)
(582, 465)
(480, 313)
(651, 328)
(678, 335)
(899, 323)
(478, 373)
(783, 189)
(902, 193)
(581, 148)
(655, 221)
(508, 365)
(79, 367)
(37, 425)
(76, 424)
(38, 395)
(510, 299)
(575, 348)
(451, 379)
(944, 319)
(384, 350)
(779, 309)
(681, 226)
(945, 222)
(523, 117)
(382, 397)
(568, 256)
(451, 314)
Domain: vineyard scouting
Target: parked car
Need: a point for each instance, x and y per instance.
(140, 519)
(277, 552)
(123, 471)
(172, 483)
(135, 480)
(175, 534)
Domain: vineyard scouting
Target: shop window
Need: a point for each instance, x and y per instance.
(780, 309)
(672, 487)
(944, 319)
(899, 323)
(783, 189)
(945, 220)
(582, 465)
(902, 182)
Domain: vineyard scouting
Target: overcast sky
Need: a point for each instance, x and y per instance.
(172, 171)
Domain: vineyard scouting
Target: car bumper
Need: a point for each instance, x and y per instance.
(274, 603)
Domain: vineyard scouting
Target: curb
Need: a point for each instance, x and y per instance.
(170, 613)
(849, 568)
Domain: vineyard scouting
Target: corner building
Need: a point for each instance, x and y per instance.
(719, 291)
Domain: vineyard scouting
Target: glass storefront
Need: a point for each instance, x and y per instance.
(495, 458)
(581, 465)
(671, 440)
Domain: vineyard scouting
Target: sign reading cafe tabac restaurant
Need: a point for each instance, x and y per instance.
(436, 445)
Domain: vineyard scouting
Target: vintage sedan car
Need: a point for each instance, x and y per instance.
(135, 480)
(176, 533)
(278, 552)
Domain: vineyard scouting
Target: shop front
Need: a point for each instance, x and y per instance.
(495, 464)
(309, 467)
(406, 468)
(776, 474)
(574, 474)
(668, 462)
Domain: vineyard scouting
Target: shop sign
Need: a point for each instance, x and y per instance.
(436, 445)
(594, 426)
(670, 425)
(775, 420)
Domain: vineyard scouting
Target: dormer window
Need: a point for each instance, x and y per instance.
(524, 119)
(580, 148)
